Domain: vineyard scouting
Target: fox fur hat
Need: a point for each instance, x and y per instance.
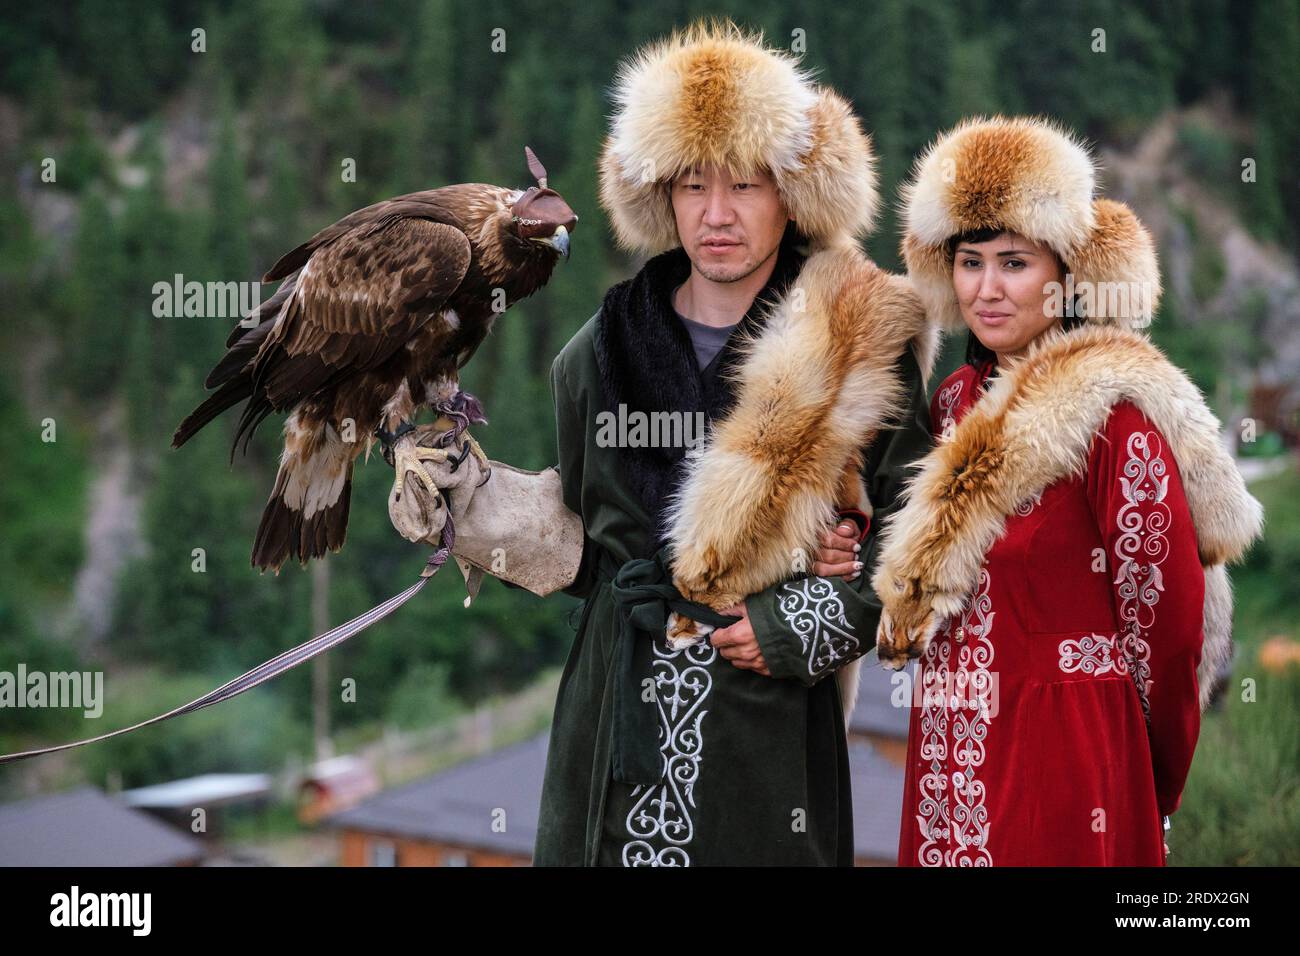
(1029, 176)
(712, 94)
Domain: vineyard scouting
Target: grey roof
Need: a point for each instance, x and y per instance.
(206, 790)
(459, 806)
(874, 712)
(85, 827)
(877, 803)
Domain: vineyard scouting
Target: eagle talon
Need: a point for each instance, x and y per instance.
(479, 453)
(455, 461)
(388, 439)
(410, 459)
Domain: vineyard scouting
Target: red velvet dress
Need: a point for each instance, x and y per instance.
(1053, 721)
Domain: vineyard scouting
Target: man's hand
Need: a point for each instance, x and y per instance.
(738, 644)
(839, 553)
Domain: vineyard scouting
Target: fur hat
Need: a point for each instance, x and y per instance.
(1029, 176)
(713, 94)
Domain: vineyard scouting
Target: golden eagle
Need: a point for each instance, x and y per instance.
(375, 317)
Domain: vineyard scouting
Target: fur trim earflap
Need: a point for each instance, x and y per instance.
(1028, 176)
(714, 95)
(1035, 426)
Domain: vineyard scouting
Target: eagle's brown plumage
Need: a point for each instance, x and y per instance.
(374, 318)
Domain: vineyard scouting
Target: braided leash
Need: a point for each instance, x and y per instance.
(284, 662)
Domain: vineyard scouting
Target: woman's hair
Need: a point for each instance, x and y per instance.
(977, 353)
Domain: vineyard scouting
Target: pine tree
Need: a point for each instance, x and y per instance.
(94, 301)
(228, 244)
(1275, 85)
(425, 131)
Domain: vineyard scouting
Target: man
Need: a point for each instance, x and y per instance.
(748, 184)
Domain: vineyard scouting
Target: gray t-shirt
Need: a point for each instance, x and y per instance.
(708, 340)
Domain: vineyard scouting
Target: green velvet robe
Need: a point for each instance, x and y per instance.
(758, 767)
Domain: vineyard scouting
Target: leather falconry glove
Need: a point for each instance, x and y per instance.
(507, 522)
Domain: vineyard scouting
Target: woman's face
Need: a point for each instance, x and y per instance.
(1004, 290)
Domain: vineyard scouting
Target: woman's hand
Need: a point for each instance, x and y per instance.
(839, 552)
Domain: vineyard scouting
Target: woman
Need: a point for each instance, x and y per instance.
(1058, 567)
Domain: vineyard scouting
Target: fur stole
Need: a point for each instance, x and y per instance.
(813, 391)
(1034, 426)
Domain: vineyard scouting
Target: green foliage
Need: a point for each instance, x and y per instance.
(256, 734)
(25, 639)
(192, 601)
(1241, 805)
(1270, 568)
(1208, 269)
(422, 697)
(84, 162)
(229, 252)
(1275, 87)
(43, 502)
(1210, 155)
(1265, 205)
(93, 298)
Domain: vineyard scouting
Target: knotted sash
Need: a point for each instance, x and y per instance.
(643, 594)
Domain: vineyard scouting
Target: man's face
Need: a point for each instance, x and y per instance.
(728, 226)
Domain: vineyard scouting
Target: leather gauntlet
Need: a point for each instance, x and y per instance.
(507, 522)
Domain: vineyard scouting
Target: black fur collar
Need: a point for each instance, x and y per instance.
(647, 362)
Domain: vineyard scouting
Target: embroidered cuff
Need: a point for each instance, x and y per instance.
(803, 627)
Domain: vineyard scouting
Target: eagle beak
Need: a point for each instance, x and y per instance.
(558, 240)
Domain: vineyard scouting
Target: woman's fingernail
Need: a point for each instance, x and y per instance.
(857, 548)
(853, 576)
(857, 565)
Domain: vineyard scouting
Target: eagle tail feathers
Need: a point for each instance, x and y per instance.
(287, 531)
(231, 393)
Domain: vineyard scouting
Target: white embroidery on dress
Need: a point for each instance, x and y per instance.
(932, 801)
(1029, 504)
(1140, 549)
(815, 611)
(947, 402)
(1091, 654)
(659, 822)
(955, 825)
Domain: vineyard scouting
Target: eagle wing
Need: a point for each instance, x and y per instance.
(357, 300)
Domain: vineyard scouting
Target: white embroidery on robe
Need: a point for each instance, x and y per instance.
(1092, 654)
(815, 611)
(955, 716)
(659, 822)
(1140, 549)
(947, 402)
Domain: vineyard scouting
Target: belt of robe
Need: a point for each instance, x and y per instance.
(643, 594)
